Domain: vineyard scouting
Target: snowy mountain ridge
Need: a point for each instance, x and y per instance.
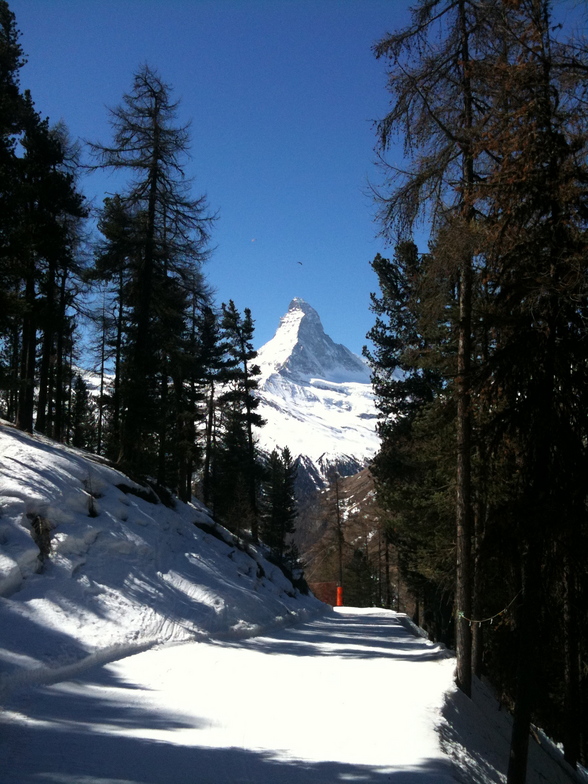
(315, 395)
(301, 350)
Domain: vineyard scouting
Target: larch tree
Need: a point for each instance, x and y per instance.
(535, 381)
(171, 239)
(505, 187)
(439, 105)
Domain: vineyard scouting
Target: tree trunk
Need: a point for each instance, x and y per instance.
(206, 474)
(26, 397)
(463, 593)
(477, 628)
(60, 380)
(572, 717)
(525, 672)
(163, 405)
(47, 348)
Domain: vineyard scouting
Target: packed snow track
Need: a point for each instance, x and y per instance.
(352, 696)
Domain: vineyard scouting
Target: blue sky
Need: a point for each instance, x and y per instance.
(282, 96)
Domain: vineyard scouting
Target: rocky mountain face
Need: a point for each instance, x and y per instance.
(316, 398)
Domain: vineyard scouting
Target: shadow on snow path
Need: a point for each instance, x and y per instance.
(327, 701)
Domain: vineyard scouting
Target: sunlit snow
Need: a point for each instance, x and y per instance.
(316, 395)
(150, 647)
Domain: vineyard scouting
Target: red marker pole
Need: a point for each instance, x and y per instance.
(339, 596)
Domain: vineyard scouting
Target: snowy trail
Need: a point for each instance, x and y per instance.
(350, 696)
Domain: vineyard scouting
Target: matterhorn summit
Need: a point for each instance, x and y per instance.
(300, 350)
(316, 396)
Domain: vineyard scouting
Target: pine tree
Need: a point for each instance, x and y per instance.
(171, 232)
(217, 366)
(521, 222)
(242, 416)
(536, 265)
(12, 111)
(116, 259)
(83, 421)
(278, 505)
(48, 210)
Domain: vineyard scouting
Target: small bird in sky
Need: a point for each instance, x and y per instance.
(300, 263)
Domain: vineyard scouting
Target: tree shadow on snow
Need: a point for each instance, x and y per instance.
(58, 755)
(72, 734)
(49, 646)
(348, 637)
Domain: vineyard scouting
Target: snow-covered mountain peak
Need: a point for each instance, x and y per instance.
(301, 350)
(298, 304)
(315, 394)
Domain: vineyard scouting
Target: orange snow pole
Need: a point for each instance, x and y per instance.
(339, 596)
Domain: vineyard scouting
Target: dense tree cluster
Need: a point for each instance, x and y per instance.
(480, 354)
(172, 395)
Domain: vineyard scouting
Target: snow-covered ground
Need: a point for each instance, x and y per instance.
(123, 573)
(347, 697)
(150, 647)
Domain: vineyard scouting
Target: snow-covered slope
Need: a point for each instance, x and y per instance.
(121, 571)
(315, 394)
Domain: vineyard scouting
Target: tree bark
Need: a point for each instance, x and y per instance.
(464, 349)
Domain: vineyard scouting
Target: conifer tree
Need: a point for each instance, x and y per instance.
(439, 106)
(217, 365)
(48, 210)
(520, 220)
(171, 232)
(83, 421)
(278, 504)
(116, 258)
(12, 110)
(242, 403)
(536, 265)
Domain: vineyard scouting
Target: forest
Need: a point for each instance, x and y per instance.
(175, 373)
(480, 349)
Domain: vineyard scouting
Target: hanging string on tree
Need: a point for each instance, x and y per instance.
(491, 618)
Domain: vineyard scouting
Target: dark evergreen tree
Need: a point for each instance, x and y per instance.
(439, 103)
(12, 111)
(217, 365)
(83, 420)
(171, 232)
(47, 212)
(518, 215)
(536, 264)
(116, 260)
(278, 504)
(241, 403)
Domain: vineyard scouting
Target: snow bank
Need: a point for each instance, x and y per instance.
(91, 570)
(476, 735)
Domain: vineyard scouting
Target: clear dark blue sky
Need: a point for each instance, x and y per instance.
(281, 94)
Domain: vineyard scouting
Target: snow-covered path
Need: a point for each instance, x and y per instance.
(350, 696)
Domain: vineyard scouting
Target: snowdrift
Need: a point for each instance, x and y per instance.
(94, 567)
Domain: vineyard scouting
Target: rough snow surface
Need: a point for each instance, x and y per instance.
(121, 573)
